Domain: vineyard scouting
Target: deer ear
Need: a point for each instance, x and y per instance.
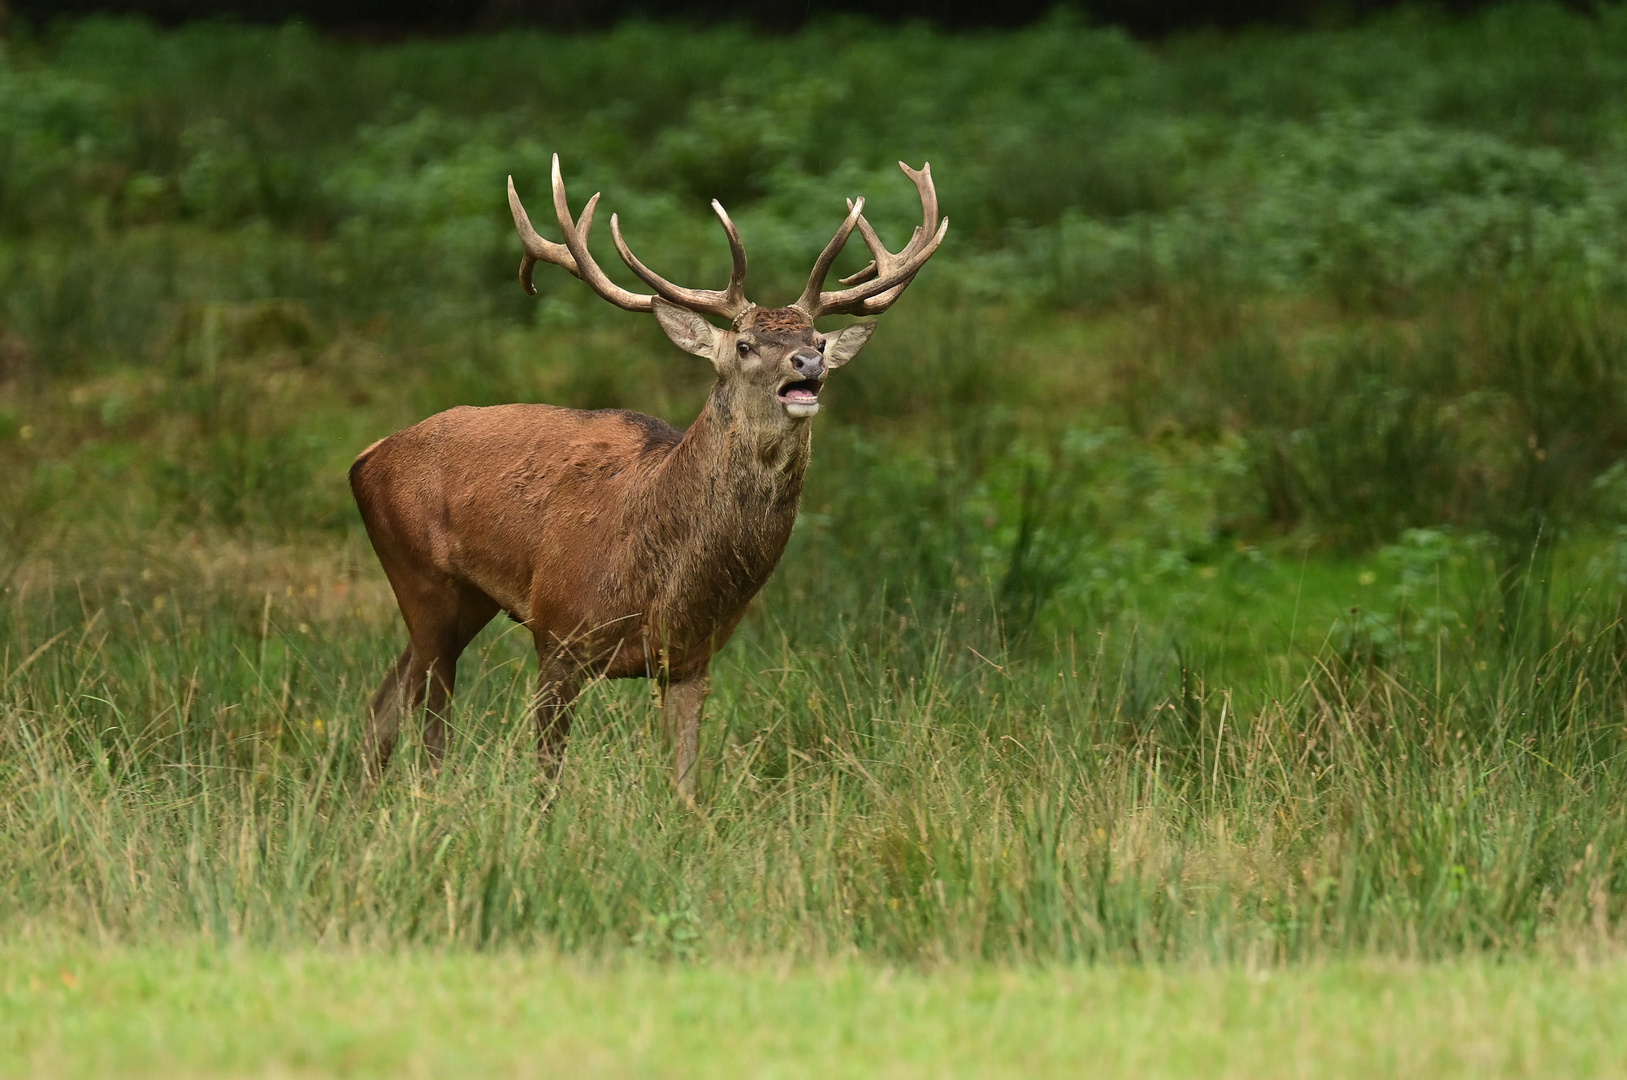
(845, 344)
(688, 331)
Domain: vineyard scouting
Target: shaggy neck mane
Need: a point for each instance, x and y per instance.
(714, 520)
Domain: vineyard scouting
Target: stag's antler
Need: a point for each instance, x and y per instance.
(873, 289)
(730, 303)
(869, 292)
(574, 256)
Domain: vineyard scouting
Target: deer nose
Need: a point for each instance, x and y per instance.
(809, 365)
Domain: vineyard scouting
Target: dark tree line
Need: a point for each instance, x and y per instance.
(452, 16)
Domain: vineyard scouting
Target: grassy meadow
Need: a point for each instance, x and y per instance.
(200, 1012)
(1212, 571)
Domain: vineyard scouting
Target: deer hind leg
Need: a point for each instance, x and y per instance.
(681, 705)
(441, 621)
(390, 701)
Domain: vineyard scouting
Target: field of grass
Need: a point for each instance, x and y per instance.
(78, 1011)
(1213, 569)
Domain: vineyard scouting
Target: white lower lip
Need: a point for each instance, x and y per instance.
(801, 409)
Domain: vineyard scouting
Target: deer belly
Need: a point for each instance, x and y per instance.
(639, 657)
(626, 644)
(495, 575)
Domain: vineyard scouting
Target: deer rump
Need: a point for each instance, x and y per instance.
(626, 547)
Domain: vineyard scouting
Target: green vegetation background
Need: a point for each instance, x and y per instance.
(1218, 552)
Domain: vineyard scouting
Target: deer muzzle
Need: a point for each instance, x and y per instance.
(800, 397)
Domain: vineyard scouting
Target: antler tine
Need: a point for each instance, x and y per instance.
(873, 299)
(875, 288)
(878, 294)
(872, 242)
(737, 254)
(922, 179)
(537, 249)
(576, 244)
(730, 303)
(809, 300)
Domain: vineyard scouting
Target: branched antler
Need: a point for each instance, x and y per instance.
(869, 292)
(574, 256)
(874, 289)
(730, 303)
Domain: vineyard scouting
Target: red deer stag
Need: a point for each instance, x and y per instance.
(627, 548)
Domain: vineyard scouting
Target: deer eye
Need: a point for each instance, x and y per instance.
(820, 346)
(743, 349)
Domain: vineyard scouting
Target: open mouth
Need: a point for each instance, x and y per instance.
(800, 397)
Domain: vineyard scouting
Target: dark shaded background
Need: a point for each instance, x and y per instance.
(389, 17)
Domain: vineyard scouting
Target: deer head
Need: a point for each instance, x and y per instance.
(772, 361)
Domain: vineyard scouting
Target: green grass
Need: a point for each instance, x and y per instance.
(914, 790)
(1212, 572)
(78, 1010)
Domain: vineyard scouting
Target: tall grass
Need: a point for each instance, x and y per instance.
(891, 790)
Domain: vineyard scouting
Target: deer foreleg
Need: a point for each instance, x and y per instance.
(557, 687)
(681, 707)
